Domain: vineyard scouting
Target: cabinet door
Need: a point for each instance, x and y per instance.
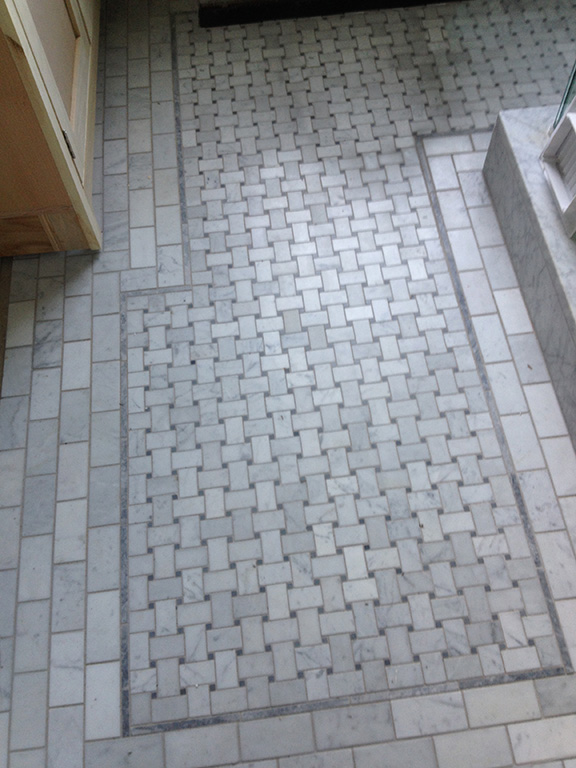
(47, 99)
(61, 45)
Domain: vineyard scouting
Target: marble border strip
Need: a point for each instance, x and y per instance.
(124, 559)
(492, 407)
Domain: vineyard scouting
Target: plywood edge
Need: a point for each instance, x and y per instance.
(24, 235)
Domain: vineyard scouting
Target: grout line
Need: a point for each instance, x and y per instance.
(492, 407)
(124, 551)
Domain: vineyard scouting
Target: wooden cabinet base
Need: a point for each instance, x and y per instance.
(46, 141)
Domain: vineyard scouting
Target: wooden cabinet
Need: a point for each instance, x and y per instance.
(48, 52)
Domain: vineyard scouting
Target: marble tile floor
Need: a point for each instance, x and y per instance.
(284, 481)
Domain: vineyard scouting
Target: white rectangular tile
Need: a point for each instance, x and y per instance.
(103, 627)
(543, 403)
(102, 701)
(72, 471)
(523, 442)
(20, 326)
(12, 477)
(500, 704)
(513, 311)
(36, 568)
(550, 739)
(67, 669)
(66, 737)
(428, 715)
(70, 531)
(561, 460)
(29, 709)
(560, 563)
(76, 365)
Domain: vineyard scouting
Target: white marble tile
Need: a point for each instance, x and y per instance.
(561, 461)
(141, 208)
(204, 747)
(550, 739)
(445, 145)
(66, 737)
(499, 704)
(9, 537)
(4, 723)
(483, 748)
(105, 338)
(513, 311)
(170, 265)
(567, 615)
(29, 706)
(103, 558)
(473, 185)
(105, 386)
(568, 507)
(528, 358)
(12, 477)
(427, 715)
(137, 752)
(443, 172)
(20, 327)
(560, 563)
(32, 636)
(70, 531)
(72, 471)
(13, 422)
(76, 365)
(454, 211)
(102, 701)
(478, 292)
(17, 371)
(506, 388)
(31, 758)
(105, 439)
(77, 317)
(142, 247)
(541, 502)
(36, 568)
(523, 442)
(75, 416)
(45, 399)
(491, 338)
(168, 225)
(7, 624)
(103, 627)
(499, 267)
(465, 249)
(486, 227)
(545, 410)
(470, 162)
(67, 669)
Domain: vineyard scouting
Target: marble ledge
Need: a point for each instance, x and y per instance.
(543, 255)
